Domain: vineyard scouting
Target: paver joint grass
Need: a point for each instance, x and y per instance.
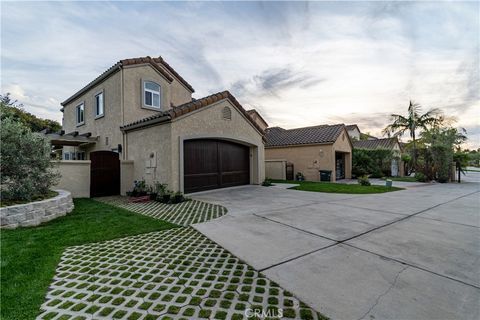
(166, 298)
(36, 251)
(184, 214)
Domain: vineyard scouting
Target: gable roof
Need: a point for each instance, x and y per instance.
(253, 112)
(131, 62)
(185, 108)
(351, 127)
(322, 134)
(386, 143)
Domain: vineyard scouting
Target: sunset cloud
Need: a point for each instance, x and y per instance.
(298, 63)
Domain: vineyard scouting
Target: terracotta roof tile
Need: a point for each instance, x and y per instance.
(386, 143)
(189, 107)
(322, 134)
(129, 62)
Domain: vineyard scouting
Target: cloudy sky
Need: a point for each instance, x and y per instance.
(298, 63)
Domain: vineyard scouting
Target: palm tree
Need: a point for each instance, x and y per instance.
(413, 122)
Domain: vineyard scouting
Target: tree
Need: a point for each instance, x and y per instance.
(14, 109)
(24, 162)
(412, 122)
(441, 143)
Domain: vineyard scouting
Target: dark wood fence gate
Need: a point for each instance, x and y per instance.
(104, 174)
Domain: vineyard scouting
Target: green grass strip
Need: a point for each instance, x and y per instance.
(29, 256)
(330, 187)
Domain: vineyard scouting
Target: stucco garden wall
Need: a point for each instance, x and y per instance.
(276, 169)
(306, 159)
(75, 177)
(35, 213)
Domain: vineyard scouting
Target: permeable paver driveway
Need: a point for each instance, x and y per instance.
(172, 274)
(412, 254)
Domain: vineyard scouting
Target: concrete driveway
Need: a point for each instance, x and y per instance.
(412, 254)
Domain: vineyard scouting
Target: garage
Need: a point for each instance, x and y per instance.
(211, 164)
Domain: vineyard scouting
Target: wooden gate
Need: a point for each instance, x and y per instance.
(104, 174)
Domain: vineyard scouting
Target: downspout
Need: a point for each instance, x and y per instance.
(122, 110)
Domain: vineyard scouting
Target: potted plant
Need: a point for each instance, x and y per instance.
(299, 176)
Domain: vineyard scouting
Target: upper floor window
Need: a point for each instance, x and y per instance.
(99, 105)
(151, 94)
(80, 113)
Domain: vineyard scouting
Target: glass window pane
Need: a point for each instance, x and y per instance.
(99, 104)
(152, 86)
(148, 98)
(156, 100)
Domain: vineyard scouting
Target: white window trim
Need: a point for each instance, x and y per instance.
(76, 114)
(98, 116)
(146, 106)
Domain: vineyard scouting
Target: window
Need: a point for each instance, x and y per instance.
(151, 94)
(99, 105)
(81, 114)
(66, 156)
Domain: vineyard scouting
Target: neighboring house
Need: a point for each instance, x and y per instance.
(353, 131)
(311, 149)
(141, 111)
(388, 144)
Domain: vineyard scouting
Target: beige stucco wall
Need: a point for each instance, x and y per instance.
(141, 144)
(276, 169)
(208, 122)
(126, 176)
(106, 126)
(306, 159)
(123, 104)
(75, 177)
(312, 158)
(133, 92)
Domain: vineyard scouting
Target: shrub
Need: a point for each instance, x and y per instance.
(420, 177)
(375, 163)
(25, 162)
(363, 181)
(267, 182)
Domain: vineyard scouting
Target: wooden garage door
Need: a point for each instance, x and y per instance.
(211, 164)
(104, 174)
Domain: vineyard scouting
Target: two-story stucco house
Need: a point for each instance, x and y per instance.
(138, 120)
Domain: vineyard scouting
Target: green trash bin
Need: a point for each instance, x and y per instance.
(388, 183)
(325, 175)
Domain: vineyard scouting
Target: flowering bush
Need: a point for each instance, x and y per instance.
(25, 162)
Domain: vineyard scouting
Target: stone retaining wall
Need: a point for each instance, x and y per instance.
(34, 213)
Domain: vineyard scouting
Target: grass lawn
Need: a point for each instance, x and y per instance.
(337, 187)
(472, 170)
(29, 256)
(403, 179)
